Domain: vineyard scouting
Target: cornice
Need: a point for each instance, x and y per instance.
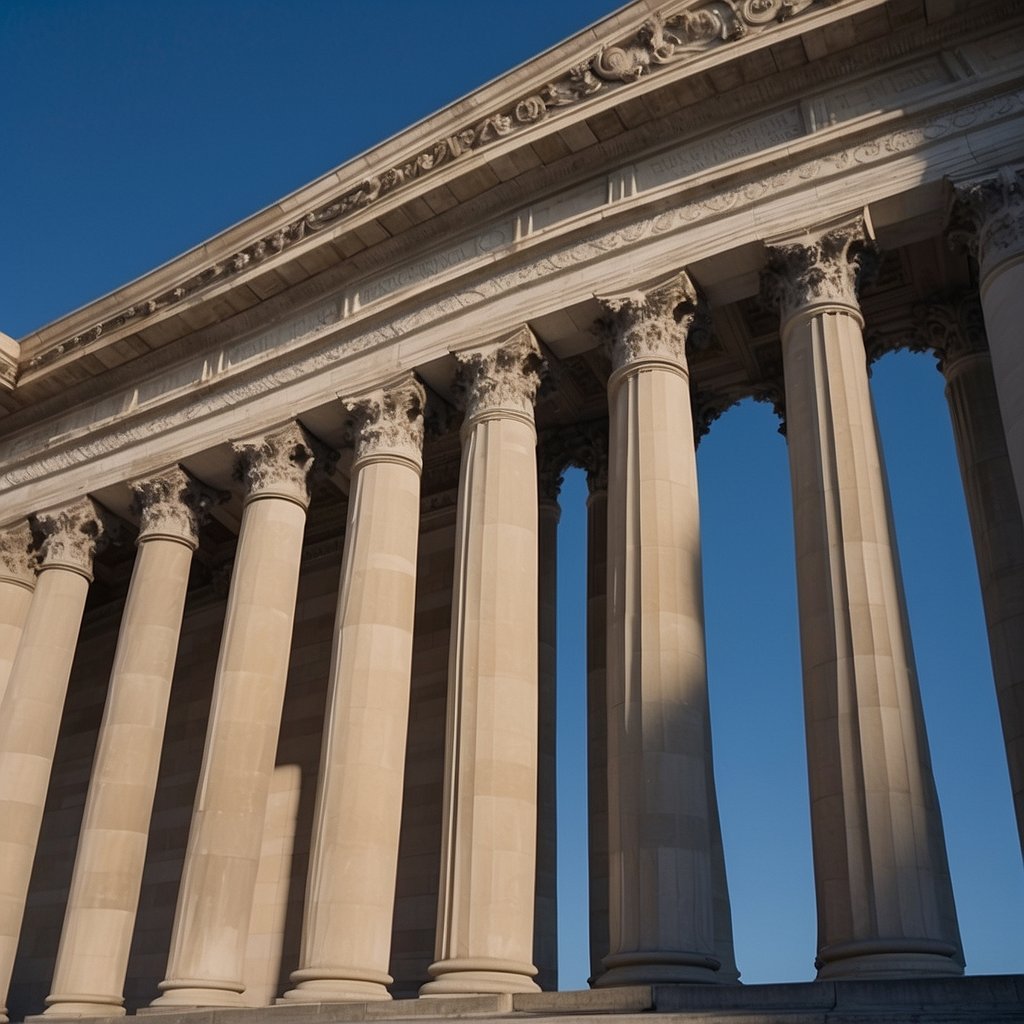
(673, 37)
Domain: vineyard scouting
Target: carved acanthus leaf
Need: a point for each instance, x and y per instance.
(952, 326)
(504, 377)
(174, 504)
(660, 41)
(650, 324)
(69, 537)
(707, 406)
(278, 463)
(17, 560)
(987, 218)
(825, 267)
(389, 420)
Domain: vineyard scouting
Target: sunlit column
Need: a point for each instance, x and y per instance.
(956, 329)
(350, 893)
(17, 582)
(211, 923)
(988, 216)
(92, 960)
(34, 701)
(489, 831)
(661, 804)
(545, 923)
(885, 905)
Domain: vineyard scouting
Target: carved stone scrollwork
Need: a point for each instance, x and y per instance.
(278, 464)
(554, 448)
(69, 537)
(987, 218)
(16, 558)
(501, 378)
(825, 268)
(952, 326)
(641, 326)
(590, 453)
(389, 421)
(173, 504)
(707, 407)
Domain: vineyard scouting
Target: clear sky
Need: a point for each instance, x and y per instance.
(131, 131)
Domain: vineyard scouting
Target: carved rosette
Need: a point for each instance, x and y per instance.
(388, 422)
(952, 326)
(652, 325)
(69, 537)
(17, 561)
(987, 218)
(172, 504)
(277, 465)
(824, 269)
(501, 380)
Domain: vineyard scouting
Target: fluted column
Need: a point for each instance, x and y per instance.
(489, 829)
(350, 893)
(34, 701)
(17, 582)
(988, 217)
(92, 960)
(885, 905)
(211, 922)
(545, 918)
(661, 803)
(956, 329)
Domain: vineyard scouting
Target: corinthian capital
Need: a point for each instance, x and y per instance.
(987, 218)
(389, 421)
(71, 535)
(277, 464)
(501, 378)
(647, 325)
(823, 267)
(16, 557)
(172, 504)
(953, 326)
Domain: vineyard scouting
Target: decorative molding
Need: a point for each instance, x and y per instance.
(653, 324)
(987, 218)
(664, 39)
(17, 561)
(502, 378)
(389, 421)
(69, 537)
(76, 446)
(824, 268)
(278, 464)
(173, 504)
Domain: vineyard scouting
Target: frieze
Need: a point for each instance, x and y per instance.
(389, 421)
(92, 441)
(664, 39)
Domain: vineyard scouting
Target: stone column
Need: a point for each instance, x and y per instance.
(34, 701)
(551, 463)
(661, 803)
(350, 893)
(17, 582)
(92, 960)
(956, 330)
(988, 217)
(489, 829)
(211, 922)
(885, 905)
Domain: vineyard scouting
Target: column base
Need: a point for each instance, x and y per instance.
(195, 994)
(479, 976)
(337, 985)
(889, 958)
(77, 1004)
(653, 967)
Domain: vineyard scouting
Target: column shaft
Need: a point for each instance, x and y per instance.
(211, 924)
(17, 582)
(489, 832)
(350, 894)
(33, 705)
(885, 905)
(661, 805)
(92, 960)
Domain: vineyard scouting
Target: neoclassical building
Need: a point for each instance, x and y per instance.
(277, 591)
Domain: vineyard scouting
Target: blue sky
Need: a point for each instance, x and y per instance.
(133, 131)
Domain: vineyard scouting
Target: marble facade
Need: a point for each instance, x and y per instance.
(276, 566)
